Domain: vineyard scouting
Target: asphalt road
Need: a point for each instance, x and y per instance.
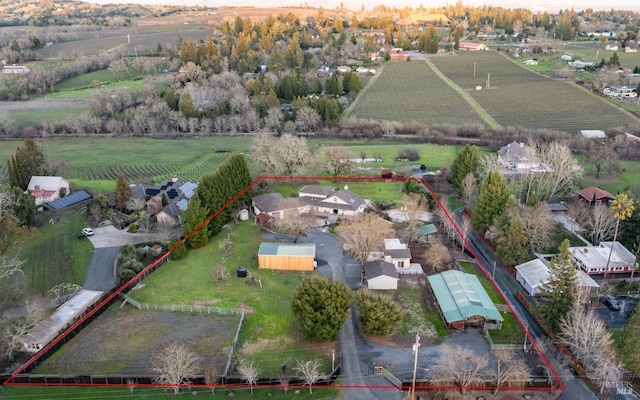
(101, 271)
(575, 387)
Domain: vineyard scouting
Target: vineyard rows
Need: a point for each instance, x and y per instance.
(133, 173)
(519, 97)
(146, 173)
(411, 91)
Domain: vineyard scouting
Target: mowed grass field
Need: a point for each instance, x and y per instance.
(411, 91)
(519, 97)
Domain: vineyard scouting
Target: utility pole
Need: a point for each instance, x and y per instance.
(474, 70)
(416, 346)
(488, 81)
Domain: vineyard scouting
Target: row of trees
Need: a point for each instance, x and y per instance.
(175, 365)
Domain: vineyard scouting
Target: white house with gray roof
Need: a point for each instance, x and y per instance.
(381, 275)
(593, 259)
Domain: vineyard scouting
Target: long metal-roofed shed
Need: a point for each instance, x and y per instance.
(287, 256)
(67, 313)
(462, 300)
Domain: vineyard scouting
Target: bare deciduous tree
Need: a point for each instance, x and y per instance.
(443, 213)
(296, 220)
(163, 232)
(249, 372)
(537, 222)
(437, 255)
(310, 371)
(226, 244)
(510, 370)
(364, 234)
(15, 333)
(9, 266)
(285, 155)
(465, 228)
(579, 215)
(211, 373)
(469, 189)
(336, 160)
(591, 342)
(174, 365)
(415, 205)
(462, 366)
(59, 291)
(602, 224)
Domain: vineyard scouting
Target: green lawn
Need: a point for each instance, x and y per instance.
(511, 332)
(143, 393)
(55, 255)
(628, 178)
(268, 335)
(84, 91)
(56, 114)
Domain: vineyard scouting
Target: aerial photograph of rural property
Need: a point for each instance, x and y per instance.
(320, 200)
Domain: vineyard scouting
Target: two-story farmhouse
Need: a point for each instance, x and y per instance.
(46, 189)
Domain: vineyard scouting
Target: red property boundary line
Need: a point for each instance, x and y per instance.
(161, 258)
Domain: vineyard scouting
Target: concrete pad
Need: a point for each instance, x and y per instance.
(109, 236)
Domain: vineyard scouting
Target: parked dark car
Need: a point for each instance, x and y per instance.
(611, 302)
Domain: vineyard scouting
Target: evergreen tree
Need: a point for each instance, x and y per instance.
(614, 60)
(514, 250)
(333, 86)
(186, 106)
(193, 216)
(355, 85)
(378, 313)
(422, 42)
(468, 160)
(557, 295)
(492, 201)
(188, 51)
(431, 45)
(316, 86)
(123, 192)
(27, 161)
(321, 306)
(24, 208)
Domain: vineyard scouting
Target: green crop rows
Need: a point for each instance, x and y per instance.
(194, 171)
(519, 97)
(134, 172)
(411, 91)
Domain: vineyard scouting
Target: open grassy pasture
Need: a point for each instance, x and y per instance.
(122, 341)
(411, 91)
(269, 335)
(519, 97)
(36, 111)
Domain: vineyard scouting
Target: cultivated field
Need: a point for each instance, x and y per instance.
(519, 97)
(122, 341)
(411, 91)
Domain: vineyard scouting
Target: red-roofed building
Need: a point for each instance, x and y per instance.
(595, 196)
(46, 189)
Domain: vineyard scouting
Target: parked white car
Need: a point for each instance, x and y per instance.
(87, 231)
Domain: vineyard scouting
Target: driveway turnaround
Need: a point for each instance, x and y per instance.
(109, 236)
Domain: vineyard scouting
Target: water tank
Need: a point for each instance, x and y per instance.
(244, 215)
(242, 272)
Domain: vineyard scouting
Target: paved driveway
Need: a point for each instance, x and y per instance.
(109, 236)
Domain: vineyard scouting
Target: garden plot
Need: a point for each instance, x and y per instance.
(123, 341)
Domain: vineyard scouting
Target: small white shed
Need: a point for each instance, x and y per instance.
(381, 275)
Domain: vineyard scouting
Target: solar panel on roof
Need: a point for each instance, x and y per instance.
(69, 200)
(172, 194)
(151, 192)
(182, 204)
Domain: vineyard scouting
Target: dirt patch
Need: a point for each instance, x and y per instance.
(205, 303)
(123, 341)
(262, 345)
(247, 309)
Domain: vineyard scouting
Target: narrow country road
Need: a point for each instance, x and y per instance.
(507, 284)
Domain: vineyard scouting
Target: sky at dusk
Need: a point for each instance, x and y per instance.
(534, 5)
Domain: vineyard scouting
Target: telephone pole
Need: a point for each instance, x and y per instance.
(416, 346)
